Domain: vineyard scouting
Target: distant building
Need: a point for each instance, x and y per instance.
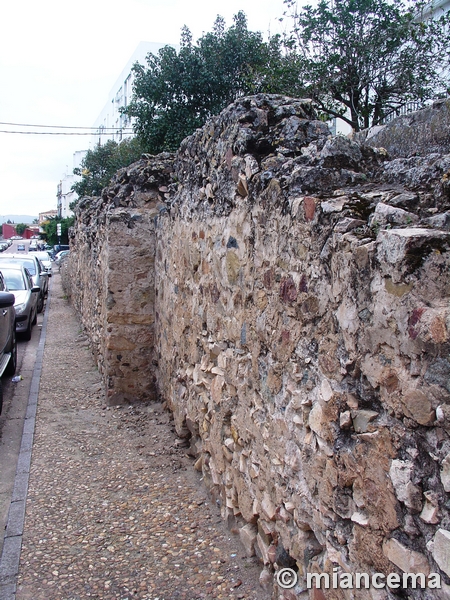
(9, 230)
(45, 216)
(111, 124)
(434, 9)
(65, 196)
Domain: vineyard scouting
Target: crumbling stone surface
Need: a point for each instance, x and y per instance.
(419, 133)
(288, 297)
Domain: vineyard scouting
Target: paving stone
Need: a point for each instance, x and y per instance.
(15, 518)
(10, 559)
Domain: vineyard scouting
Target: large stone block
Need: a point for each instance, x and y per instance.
(409, 561)
(441, 550)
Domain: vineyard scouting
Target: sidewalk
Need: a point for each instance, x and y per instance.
(115, 509)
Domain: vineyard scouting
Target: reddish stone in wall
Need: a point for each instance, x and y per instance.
(288, 291)
(309, 205)
(303, 284)
(413, 320)
(318, 594)
(285, 337)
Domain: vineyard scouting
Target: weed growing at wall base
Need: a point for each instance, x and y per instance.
(288, 578)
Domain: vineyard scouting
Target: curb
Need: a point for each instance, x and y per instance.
(9, 561)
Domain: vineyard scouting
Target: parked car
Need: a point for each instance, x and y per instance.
(19, 282)
(58, 248)
(44, 257)
(59, 257)
(8, 346)
(21, 247)
(36, 269)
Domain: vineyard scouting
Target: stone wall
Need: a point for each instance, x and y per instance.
(420, 133)
(287, 294)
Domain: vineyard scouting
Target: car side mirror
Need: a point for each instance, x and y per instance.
(35, 288)
(6, 299)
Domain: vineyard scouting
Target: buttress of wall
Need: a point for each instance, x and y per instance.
(110, 277)
(85, 275)
(129, 334)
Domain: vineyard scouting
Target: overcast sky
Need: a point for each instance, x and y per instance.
(58, 63)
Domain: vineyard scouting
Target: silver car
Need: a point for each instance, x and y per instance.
(8, 346)
(45, 259)
(36, 269)
(19, 282)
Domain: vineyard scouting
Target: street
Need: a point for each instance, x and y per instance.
(15, 398)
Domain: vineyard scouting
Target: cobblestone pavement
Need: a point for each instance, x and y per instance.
(115, 509)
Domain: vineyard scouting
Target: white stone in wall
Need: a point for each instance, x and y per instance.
(405, 559)
(441, 550)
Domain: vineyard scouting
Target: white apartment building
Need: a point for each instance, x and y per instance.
(65, 196)
(111, 124)
(437, 8)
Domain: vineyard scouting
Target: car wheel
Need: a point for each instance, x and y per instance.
(35, 318)
(12, 365)
(40, 304)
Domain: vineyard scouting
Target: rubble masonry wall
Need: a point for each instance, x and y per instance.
(287, 294)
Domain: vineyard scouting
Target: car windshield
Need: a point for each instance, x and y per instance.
(14, 279)
(29, 264)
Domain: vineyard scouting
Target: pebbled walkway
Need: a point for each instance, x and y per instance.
(115, 509)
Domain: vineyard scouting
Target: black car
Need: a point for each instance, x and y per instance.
(58, 248)
(8, 347)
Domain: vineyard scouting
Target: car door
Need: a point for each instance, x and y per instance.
(34, 297)
(43, 276)
(5, 320)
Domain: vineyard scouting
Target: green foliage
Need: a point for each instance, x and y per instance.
(100, 164)
(362, 60)
(177, 92)
(50, 234)
(20, 228)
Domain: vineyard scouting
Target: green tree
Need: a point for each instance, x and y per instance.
(177, 92)
(362, 60)
(100, 164)
(20, 228)
(50, 230)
